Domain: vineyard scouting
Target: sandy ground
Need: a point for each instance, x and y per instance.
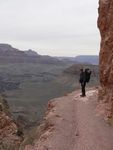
(76, 125)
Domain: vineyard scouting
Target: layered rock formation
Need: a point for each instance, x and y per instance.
(9, 54)
(10, 137)
(105, 24)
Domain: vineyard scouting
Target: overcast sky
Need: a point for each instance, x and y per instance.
(54, 27)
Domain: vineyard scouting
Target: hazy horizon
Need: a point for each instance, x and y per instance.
(55, 28)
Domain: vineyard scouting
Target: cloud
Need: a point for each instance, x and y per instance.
(50, 24)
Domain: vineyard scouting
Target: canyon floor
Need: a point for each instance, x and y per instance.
(74, 124)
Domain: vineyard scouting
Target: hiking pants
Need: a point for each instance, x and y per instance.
(83, 85)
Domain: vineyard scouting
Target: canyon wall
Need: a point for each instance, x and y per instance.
(105, 24)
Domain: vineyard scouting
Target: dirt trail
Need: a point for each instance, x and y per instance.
(76, 125)
(93, 132)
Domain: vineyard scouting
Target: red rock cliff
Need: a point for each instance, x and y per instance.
(9, 139)
(105, 24)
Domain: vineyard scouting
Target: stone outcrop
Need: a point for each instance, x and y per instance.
(105, 24)
(9, 133)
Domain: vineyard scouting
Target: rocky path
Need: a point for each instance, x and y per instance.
(75, 125)
(93, 132)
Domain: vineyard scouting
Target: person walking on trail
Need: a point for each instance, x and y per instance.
(84, 78)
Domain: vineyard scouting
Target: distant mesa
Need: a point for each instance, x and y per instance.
(30, 52)
(87, 59)
(6, 48)
(91, 59)
(8, 54)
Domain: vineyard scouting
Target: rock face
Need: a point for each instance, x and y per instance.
(9, 139)
(105, 24)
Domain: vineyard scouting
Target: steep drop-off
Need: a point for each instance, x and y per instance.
(105, 24)
(71, 123)
(10, 136)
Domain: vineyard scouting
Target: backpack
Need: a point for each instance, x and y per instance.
(87, 75)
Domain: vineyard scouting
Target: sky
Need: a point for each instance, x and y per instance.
(51, 27)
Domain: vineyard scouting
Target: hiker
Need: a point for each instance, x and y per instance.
(84, 78)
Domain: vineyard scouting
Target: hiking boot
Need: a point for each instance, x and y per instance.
(82, 95)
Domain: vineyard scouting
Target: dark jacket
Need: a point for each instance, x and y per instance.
(82, 77)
